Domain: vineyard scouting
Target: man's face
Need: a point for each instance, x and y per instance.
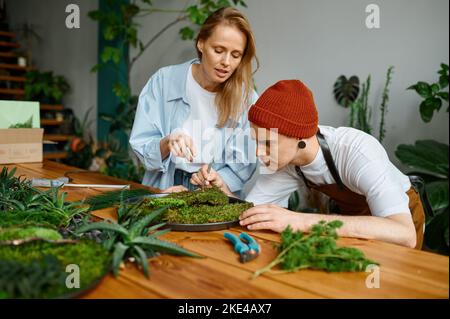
(274, 150)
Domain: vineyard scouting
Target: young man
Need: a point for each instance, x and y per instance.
(374, 199)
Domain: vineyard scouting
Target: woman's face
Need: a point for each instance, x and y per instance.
(221, 53)
(274, 150)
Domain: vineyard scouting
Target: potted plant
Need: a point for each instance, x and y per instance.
(45, 87)
(429, 159)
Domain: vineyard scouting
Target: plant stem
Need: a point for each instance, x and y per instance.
(275, 262)
(162, 10)
(384, 102)
(279, 258)
(153, 39)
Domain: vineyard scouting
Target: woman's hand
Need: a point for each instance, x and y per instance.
(181, 145)
(204, 179)
(175, 189)
(270, 217)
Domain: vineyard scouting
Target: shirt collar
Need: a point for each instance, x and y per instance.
(177, 88)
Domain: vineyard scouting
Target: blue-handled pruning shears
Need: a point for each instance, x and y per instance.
(248, 249)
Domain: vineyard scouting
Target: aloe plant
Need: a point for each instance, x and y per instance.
(21, 204)
(133, 237)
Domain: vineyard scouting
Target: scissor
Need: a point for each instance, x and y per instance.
(247, 248)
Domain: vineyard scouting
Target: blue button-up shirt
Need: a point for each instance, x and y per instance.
(162, 108)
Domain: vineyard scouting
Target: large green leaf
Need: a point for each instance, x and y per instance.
(428, 106)
(165, 246)
(426, 156)
(143, 259)
(137, 228)
(346, 90)
(118, 255)
(422, 88)
(436, 233)
(438, 194)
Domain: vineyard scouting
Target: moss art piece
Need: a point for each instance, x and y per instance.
(39, 268)
(16, 233)
(209, 205)
(205, 196)
(206, 214)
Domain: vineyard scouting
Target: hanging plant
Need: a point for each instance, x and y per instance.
(346, 90)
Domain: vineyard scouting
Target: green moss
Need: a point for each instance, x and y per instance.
(29, 232)
(206, 214)
(30, 280)
(208, 205)
(91, 258)
(155, 203)
(36, 217)
(205, 196)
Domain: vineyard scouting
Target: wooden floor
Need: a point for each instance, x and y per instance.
(404, 272)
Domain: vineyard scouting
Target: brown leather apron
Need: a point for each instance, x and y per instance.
(352, 204)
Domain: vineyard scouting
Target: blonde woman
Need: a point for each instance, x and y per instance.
(193, 114)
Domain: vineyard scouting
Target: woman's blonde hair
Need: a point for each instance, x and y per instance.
(235, 92)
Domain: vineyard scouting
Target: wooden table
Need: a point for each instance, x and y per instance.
(404, 272)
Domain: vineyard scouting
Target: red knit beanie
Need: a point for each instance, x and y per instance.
(289, 106)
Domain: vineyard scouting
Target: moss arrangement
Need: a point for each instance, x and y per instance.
(36, 268)
(209, 205)
(13, 233)
(204, 196)
(206, 214)
(39, 268)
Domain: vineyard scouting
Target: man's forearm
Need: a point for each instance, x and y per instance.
(398, 229)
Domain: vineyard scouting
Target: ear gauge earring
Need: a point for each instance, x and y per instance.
(301, 144)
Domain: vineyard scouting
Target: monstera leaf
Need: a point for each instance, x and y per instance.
(346, 90)
(427, 156)
(431, 157)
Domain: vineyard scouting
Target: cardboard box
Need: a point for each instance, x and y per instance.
(21, 145)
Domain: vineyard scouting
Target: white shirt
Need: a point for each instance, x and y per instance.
(200, 125)
(363, 166)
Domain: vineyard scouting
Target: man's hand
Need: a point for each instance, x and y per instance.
(270, 217)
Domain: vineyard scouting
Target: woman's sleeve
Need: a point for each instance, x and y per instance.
(240, 156)
(147, 130)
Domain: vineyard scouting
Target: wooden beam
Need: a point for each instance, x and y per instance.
(51, 107)
(12, 78)
(9, 44)
(7, 34)
(12, 91)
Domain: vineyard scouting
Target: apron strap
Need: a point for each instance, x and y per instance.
(328, 159)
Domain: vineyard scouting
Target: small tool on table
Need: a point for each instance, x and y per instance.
(64, 182)
(247, 248)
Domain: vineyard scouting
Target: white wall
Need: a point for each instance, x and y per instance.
(318, 40)
(70, 53)
(312, 40)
